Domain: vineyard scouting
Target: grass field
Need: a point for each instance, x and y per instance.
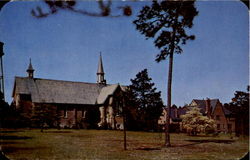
(106, 144)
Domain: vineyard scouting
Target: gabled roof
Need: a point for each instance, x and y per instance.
(64, 92)
(56, 91)
(182, 110)
(202, 104)
(226, 111)
(106, 92)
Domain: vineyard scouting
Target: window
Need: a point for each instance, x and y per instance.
(83, 113)
(217, 117)
(65, 114)
(218, 126)
(118, 108)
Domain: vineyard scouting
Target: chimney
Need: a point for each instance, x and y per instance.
(208, 107)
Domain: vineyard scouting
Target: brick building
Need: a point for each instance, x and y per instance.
(72, 100)
(212, 108)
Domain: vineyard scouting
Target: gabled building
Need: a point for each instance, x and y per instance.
(71, 99)
(215, 110)
(212, 108)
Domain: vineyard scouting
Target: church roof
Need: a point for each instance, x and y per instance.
(105, 92)
(61, 92)
(64, 92)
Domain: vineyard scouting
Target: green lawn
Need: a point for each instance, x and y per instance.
(105, 144)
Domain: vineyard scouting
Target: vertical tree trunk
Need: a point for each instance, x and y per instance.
(124, 125)
(124, 131)
(170, 70)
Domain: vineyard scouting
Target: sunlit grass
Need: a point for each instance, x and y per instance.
(108, 144)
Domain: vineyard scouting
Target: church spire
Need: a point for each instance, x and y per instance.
(100, 72)
(30, 70)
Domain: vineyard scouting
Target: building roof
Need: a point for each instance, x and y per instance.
(202, 104)
(63, 92)
(105, 92)
(182, 110)
(226, 111)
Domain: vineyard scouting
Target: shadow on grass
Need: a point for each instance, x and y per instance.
(11, 131)
(10, 142)
(204, 141)
(14, 137)
(57, 131)
(148, 148)
(213, 140)
(12, 149)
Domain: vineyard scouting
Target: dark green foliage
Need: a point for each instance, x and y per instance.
(165, 22)
(240, 110)
(146, 103)
(4, 111)
(44, 116)
(9, 117)
(92, 117)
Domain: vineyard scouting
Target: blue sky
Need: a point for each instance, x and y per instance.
(66, 46)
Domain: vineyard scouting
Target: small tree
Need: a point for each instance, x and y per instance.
(45, 115)
(92, 117)
(194, 122)
(146, 101)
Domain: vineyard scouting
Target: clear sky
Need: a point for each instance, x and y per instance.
(66, 46)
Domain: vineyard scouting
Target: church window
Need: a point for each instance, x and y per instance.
(65, 114)
(83, 113)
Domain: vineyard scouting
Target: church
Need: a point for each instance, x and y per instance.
(71, 99)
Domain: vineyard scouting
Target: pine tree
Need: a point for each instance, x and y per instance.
(146, 101)
(166, 21)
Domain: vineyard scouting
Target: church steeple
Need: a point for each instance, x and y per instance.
(30, 70)
(100, 72)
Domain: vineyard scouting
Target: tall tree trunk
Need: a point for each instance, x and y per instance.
(170, 70)
(124, 132)
(124, 110)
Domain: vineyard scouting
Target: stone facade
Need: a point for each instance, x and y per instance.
(110, 112)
